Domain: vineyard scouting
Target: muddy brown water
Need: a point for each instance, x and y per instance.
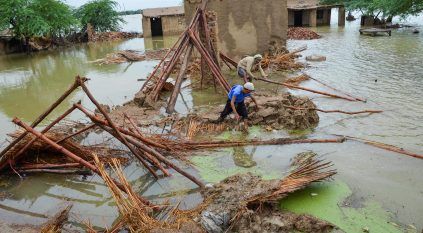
(28, 84)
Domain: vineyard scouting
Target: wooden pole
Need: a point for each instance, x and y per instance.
(172, 101)
(140, 137)
(335, 89)
(306, 89)
(77, 133)
(335, 111)
(215, 70)
(69, 154)
(121, 138)
(112, 125)
(72, 88)
(45, 130)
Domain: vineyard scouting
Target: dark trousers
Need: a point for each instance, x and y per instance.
(240, 108)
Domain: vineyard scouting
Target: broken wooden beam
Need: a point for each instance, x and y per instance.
(72, 88)
(69, 154)
(306, 89)
(174, 96)
(334, 111)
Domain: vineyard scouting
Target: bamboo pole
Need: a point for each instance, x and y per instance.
(169, 69)
(45, 130)
(72, 88)
(142, 138)
(69, 154)
(306, 89)
(385, 146)
(123, 140)
(76, 133)
(48, 166)
(228, 59)
(142, 146)
(113, 126)
(172, 101)
(335, 89)
(279, 141)
(165, 161)
(215, 70)
(335, 111)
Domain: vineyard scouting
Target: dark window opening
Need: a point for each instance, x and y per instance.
(320, 14)
(156, 27)
(298, 18)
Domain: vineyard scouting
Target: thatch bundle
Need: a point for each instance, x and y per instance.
(137, 216)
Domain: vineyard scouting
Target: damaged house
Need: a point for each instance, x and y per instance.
(310, 13)
(245, 26)
(165, 21)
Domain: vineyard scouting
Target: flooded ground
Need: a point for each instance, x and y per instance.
(374, 189)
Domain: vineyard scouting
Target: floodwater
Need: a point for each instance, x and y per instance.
(384, 70)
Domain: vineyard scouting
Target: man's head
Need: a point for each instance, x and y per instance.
(258, 58)
(248, 88)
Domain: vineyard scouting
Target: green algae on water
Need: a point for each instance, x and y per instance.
(324, 200)
(215, 168)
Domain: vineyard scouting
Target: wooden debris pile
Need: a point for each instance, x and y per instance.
(140, 147)
(130, 56)
(300, 33)
(189, 40)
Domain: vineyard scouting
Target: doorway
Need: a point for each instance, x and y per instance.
(298, 18)
(156, 27)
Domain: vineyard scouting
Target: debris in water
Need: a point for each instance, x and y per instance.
(300, 33)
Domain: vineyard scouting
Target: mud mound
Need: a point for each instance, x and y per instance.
(299, 33)
(271, 219)
(233, 203)
(274, 113)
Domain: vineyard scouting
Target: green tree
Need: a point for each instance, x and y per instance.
(383, 9)
(32, 18)
(101, 14)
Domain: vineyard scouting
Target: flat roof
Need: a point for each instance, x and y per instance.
(163, 11)
(307, 4)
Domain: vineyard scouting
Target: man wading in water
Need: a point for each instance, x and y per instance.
(247, 64)
(236, 103)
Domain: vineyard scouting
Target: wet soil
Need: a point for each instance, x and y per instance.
(229, 198)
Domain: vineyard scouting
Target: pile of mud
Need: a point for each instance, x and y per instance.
(227, 210)
(274, 113)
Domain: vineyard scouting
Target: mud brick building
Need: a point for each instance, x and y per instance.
(246, 26)
(311, 13)
(166, 21)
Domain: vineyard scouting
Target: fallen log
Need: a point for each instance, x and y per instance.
(306, 89)
(334, 111)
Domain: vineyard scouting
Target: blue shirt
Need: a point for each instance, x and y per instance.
(236, 92)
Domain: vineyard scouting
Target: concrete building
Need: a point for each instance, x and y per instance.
(246, 26)
(311, 13)
(166, 21)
